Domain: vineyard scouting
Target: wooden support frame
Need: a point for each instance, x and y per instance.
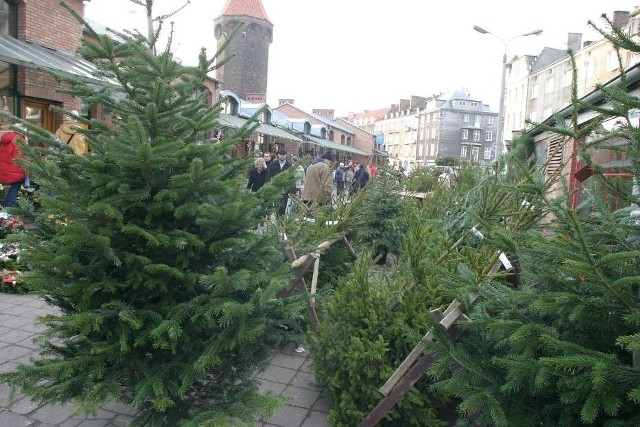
(301, 265)
(413, 368)
(415, 365)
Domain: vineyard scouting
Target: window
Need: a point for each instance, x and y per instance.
(488, 136)
(475, 153)
(477, 121)
(433, 150)
(6, 25)
(474, 104)
(612, 61)
(433, 133)
(465, 133)
(589, 69)
(463, 152)
(534, 91)
(533, 116)
(476, 136)
(487, 153)
(466, 118)
(549, 85)
(567, 79)
(547, 112)
(463, 103)
(489, 120)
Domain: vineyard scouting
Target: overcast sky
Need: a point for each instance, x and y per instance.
(356, 55)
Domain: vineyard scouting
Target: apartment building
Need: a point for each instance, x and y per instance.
(399, 131)
(458, 126)
(539, 86)
(596, 66)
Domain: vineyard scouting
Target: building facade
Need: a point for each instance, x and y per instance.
(398, 130)
(457, 126)
(245, 26)
(543, 83)
(39, 34)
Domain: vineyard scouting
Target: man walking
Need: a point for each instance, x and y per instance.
(278, 165)
(319, 185)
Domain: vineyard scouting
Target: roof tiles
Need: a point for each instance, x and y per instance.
(251, 8)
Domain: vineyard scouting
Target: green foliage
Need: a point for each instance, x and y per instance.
(381, 209)
(357, 346)
(422, 179)
(522, 147)
(557, 343)
(168, 296)
(447, 161)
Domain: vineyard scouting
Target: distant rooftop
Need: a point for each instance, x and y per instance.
(251, 8)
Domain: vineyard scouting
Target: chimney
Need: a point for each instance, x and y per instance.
(620, 18)
(574, 41)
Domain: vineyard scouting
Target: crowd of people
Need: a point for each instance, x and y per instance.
(317, 184)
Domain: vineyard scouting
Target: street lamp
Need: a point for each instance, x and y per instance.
(502, 82)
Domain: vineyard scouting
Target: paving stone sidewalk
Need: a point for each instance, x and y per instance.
(287, 375)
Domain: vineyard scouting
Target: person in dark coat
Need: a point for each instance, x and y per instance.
(10, 173)
(360, 177)
(257, 175)
(267, 159)
(278, 165)
(340, 178)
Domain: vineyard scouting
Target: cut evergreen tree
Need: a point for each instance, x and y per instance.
(167, 295)
(559, 346)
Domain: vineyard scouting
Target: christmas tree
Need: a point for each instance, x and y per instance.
(557, 343)
(167, 295)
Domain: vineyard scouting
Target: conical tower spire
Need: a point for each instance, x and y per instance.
(250, 8)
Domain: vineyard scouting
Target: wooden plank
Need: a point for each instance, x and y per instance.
(311, 311)
(350, 249)
(414, 374)
(416, 194)
(384, 406)
(450, 315)
(304, 258)
(314, 282)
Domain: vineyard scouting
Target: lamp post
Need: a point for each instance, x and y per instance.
(502, 82)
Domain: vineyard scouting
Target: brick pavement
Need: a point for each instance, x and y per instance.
(287, 375)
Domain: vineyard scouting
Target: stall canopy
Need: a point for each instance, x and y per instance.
(228, 120)
(32, 55)
(325, 143)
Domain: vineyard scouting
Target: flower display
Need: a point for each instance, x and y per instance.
(10, 267)
(10, 224)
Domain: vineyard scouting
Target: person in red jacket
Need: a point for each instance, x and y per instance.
(10, 173)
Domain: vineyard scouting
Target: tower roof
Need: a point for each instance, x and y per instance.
(251, 8)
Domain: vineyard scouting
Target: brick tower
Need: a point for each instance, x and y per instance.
(246, 73)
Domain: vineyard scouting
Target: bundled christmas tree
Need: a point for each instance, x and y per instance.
(167, 295)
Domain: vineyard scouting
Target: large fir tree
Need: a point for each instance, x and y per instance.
(167, 295)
